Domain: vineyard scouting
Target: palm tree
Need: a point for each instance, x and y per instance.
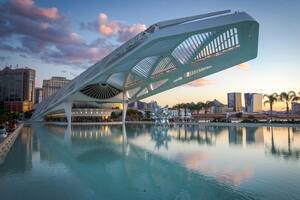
(207, 105)
(193, 107)
(271, 99)
(177, 107)
(288, 98)
(199, 106)
(181, 106)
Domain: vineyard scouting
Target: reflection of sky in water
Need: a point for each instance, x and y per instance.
(180, 162)
(230, 154)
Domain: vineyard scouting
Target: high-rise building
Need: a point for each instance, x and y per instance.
(38, 95)
(295, 108)
(17, 89)
(253, 102)
(234, 100)
(139, 105)
(52, 85)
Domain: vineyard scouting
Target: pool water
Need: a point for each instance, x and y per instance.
(147, 162)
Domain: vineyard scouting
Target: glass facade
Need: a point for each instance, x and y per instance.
(253, 102)
(234, 100)
(38, 95)
(17, 89)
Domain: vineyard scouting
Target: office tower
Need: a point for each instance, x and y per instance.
(17, 89)
(234, 100)
(253, 102)
(38, 95)
(295, 108)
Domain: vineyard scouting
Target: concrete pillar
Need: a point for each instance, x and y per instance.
(68, 110)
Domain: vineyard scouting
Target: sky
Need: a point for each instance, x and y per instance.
(63, 38)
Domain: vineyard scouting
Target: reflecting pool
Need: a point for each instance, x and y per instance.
(147, 162)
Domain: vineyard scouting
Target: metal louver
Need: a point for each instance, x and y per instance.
(100, 91)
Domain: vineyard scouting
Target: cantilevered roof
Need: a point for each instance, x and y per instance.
(167, 54)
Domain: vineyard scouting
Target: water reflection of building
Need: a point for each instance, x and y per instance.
(90, 132)
(201, 134)
(20, 156)
(86, 132)
(254, 135)
(235, 135)
(283, 143)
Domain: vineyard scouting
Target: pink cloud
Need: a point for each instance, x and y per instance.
(121, 30)
(236, 177)
(42, 33)
(105, 27)
(27, 8)
(200, 82)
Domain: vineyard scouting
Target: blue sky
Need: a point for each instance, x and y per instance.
(276, 68)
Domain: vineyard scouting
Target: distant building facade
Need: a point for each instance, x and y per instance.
(218, 107)
(138, 105)
(52, 85)
(295, 108)
(38, 95)
(17, 89)
(234, 100)
(253, 102)
(152, 105)
(173, 113)
(143, 106)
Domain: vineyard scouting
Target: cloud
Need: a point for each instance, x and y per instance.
(236, 177)
(2, 58)
(113, 28)
(200, 83)
(26, 8)
(78, 55)
(44, 33)
(244, 66)
(23, 55)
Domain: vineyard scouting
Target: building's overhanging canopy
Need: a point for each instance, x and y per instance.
(166, 55)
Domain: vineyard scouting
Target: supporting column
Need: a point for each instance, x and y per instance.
(68, 111)
(125, 105)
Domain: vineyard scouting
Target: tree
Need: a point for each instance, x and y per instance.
(181, 106)
(288, 97)
(207, 105)
(271, 100)
(192, 107)
(199, 106)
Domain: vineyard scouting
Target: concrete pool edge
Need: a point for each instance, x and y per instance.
(8, 143)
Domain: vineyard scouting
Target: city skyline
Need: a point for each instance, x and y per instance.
(83, 39)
